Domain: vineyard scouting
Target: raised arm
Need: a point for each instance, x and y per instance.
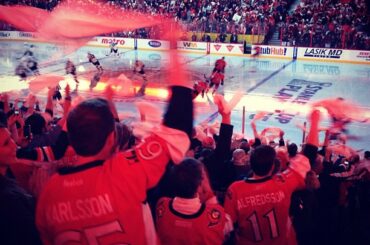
(179, 114)
(49, 101)
(312, 142)
(109, 93)
(5, 99)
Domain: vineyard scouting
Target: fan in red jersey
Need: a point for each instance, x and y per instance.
(193, 216)
(101, 198)
(259, 205)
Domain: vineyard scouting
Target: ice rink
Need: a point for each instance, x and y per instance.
(283, 88)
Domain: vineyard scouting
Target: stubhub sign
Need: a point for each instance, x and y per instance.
(273, 51)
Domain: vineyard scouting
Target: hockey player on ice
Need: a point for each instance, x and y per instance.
(139, 69)
(93, 60)
(215, 80)
(113, 49)
(200, 87)
(27, 66)
(71, 69)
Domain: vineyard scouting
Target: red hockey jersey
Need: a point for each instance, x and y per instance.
(220, 64)
(102, 202)
(217, 77)
(204, 227)
(260, 207)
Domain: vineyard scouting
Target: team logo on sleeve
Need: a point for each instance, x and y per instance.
(150, 151)
(160, 209)
(214, 217)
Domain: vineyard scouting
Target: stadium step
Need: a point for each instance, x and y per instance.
(275, 38)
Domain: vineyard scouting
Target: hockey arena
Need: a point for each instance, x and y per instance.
(185, 122)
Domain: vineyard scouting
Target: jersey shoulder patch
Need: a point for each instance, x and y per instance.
(160, 209)
(214, 216)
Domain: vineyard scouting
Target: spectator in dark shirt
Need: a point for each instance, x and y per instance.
(234, 38)
(17, 208)
(223, 37)
(194, 37)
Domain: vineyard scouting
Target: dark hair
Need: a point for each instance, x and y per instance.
(3, 119)
(245, 145)
(367, 155)
(195, 143)
(262, 159)
(205, 153)
(36, 122)
(124, 135)
(89, 125)
(292, 150)
(186, 177)
(355, 159)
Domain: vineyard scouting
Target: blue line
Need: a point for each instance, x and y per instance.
(269, 76)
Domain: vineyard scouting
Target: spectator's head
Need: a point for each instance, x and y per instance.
(195, 146)
(292, 150)
(236, 141)
(90, 128)
(367, 155)
(354, 159)
(187, 177)
(3, 119)
(124, 137)
(245, 145)
(208, 142)
(239, 157)
(272, 143)
(7, 146)
(205, 154)
(282, 156)
(312, 182)
(318, 165)
(34, 124)
(262, 160)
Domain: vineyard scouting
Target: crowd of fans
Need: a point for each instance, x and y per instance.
(89, 156)
(95, 178)
(329, 23)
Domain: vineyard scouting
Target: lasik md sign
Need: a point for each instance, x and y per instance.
(323, 53)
